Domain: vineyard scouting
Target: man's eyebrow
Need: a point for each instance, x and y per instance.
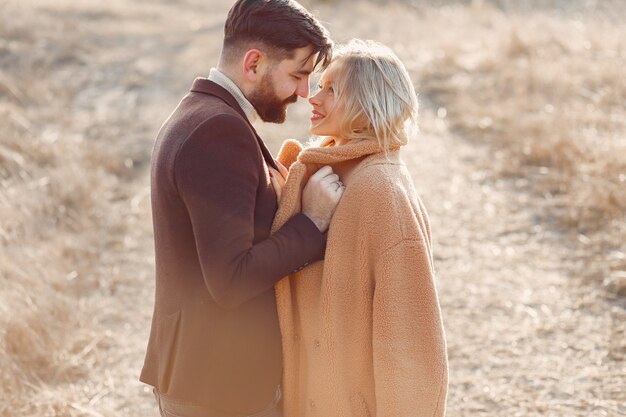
(302, 70)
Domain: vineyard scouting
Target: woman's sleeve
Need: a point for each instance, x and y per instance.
(288, 153)
(410, 361)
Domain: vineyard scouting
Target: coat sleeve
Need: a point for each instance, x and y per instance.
(289, 151)
(217, 173)
(409, 350)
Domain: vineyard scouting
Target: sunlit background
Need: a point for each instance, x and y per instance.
(521, 162)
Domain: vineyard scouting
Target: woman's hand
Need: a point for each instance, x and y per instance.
(281, 168)
(321, 196)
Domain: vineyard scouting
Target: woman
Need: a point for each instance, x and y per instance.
(362, 331)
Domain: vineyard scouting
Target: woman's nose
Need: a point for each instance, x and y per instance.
(314, 99)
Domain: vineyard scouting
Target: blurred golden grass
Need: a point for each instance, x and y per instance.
(46, 207)
(59, 184)
(52, 208)
(549, 95)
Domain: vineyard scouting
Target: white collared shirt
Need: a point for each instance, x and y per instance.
(221, 79)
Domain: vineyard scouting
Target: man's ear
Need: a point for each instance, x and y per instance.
(252, 63)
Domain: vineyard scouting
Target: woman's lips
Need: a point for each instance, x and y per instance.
(317, 116)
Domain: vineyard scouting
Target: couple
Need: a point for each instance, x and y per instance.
(302, 286)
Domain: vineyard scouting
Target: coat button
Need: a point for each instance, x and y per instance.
(296, 338)
(312, 404)
(318, 344)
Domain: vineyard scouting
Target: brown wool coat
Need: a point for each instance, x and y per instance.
(362, 330)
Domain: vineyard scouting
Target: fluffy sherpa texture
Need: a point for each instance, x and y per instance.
(362, 330)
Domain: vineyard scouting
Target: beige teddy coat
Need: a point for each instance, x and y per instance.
(362, 330)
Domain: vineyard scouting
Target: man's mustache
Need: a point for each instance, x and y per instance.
(291, 99)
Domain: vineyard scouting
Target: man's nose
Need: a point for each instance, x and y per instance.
(303, 89)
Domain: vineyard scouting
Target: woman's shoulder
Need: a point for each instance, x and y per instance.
(378, 187)
(381, 176)
(381, 194)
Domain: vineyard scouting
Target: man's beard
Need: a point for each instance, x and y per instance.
(268, 106)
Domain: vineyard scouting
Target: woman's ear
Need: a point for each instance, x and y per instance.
(252, 62)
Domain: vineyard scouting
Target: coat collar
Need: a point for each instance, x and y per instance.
(224, 81)
(328, 154)
(205, 86)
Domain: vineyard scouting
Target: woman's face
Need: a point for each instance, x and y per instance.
(328, 111)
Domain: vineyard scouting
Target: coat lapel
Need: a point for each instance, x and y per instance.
(204, 86)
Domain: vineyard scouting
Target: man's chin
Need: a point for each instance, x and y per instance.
(274, 117)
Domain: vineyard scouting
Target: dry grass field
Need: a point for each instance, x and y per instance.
(521, 161)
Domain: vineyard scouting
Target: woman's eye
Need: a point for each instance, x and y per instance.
(296, 77)
(330, 89)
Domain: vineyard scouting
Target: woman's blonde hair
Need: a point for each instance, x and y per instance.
(378, 96)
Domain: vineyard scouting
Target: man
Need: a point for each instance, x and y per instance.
(215, 343)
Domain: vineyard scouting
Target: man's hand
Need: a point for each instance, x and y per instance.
(321, 196)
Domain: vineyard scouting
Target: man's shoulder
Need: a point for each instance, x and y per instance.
(200, 116)
(197, 108)
(205, 112)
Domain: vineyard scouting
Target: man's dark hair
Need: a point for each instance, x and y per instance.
(280, 26)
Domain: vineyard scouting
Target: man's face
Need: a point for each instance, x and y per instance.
(281, 84)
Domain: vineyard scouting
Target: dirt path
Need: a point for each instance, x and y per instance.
(527, 337)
